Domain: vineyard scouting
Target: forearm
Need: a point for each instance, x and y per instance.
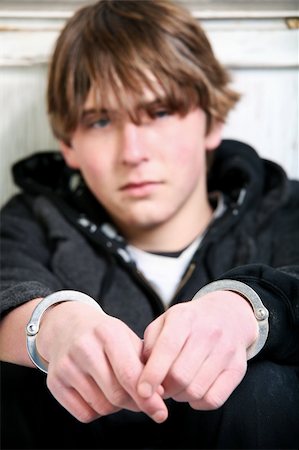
(12, 334)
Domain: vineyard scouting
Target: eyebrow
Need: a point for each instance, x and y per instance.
(93, 111)
(143, 106)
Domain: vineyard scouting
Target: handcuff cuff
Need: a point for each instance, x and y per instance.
(33, 325)
(260, 312)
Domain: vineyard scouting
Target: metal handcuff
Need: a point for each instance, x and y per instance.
(261, 313)
(33, 326)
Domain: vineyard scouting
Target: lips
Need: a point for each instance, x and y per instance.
(136, 185)
(140, 188)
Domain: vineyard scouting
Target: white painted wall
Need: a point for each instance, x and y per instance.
(256, 44)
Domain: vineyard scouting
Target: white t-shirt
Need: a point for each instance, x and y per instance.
(164, 273)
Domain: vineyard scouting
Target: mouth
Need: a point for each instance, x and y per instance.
(140, 189)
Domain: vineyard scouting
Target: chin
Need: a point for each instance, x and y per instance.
(142, 221)
(142, 215)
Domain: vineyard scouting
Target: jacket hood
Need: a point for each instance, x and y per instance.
(245, 178)
(237, 171)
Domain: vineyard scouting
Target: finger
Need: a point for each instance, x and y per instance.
(95, 397)
(125, 359)
(90, 357)
(207, 372)
(71, 400)
(164, 352)
(104, 378)
(185, 369)
(78, 407)
(221, 389)
(68, 374)
(210, 369)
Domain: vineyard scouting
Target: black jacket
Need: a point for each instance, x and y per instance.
(53, 238)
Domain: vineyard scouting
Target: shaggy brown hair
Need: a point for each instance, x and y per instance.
(119, 48)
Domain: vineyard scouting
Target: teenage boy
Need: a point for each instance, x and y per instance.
(160, 297)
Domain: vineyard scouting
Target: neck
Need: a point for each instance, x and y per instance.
(173, 235)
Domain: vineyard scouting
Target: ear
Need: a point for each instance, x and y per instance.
(69, 155)
(214, 137)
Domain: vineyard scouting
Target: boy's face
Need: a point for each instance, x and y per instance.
(146, 175)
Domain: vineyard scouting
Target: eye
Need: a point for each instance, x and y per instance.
(101, 123)
(160, 113)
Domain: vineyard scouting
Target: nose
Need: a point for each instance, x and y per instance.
(133, 151)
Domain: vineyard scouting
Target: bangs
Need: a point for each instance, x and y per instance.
(129, 91)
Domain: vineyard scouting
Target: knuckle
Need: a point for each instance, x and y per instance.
(195, 391)
(119, 397)
(86, 416)
(239, 370)
(109, 330)
(181, 377)
(167, 341)
(103, 407)
(213, 400)
(180, 312)
(82, 347)
(102, 332)
(240, 366)
(230, 350)
(127, 376)
(57, 375)
(215, 333)
(209, 402)
(62, 369)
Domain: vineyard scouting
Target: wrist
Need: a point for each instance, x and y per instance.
(261, 314)
(52, 328)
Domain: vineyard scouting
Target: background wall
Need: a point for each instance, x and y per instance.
(256, 40)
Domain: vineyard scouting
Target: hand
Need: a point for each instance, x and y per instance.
(197, 350)
(95, 361)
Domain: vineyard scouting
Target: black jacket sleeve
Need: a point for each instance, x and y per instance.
(279, 292)
(25, 256)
